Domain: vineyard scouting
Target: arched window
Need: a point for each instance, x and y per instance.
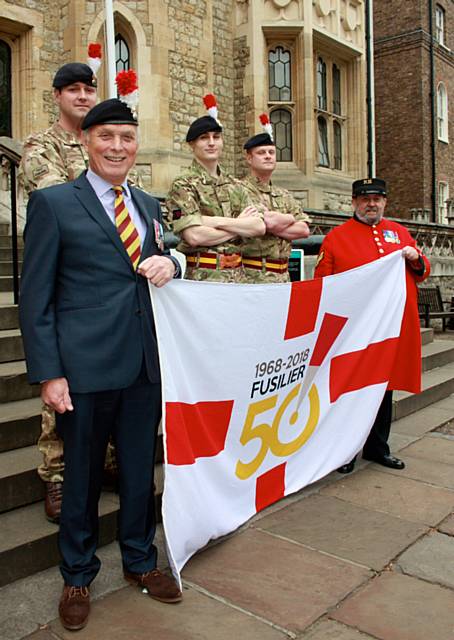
(122, 54)
(321, 84)
(337, 134)
(323, 154)
(280, 76)
(5, 89)
(442, 112)
(281, 119)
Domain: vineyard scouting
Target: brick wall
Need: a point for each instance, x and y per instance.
(403, 103)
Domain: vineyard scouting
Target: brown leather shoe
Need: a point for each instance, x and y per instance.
(159, 586)
(74, 607)
(52, 504)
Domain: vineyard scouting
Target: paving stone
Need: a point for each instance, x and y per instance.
(42, 634)
(421, 422)
(431, 558)
(131, 615)
(435, 448)
(427, 471)
(397, 441)
(280, 581)
(345, 530)
(399, 607)
(331, 630)
(447, 526)
(390, 493)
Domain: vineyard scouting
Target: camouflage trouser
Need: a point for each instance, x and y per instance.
(51, 446)
(254, 276)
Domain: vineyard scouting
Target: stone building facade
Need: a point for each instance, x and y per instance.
(414, 91)
(301, 60)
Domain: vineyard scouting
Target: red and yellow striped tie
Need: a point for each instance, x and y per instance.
(125, 227)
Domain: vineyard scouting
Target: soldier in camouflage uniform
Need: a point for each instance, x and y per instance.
(265, 259)
(50, 157)
(211, 211)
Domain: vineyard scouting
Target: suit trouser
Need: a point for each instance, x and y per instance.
(132, 416)
(376, 445)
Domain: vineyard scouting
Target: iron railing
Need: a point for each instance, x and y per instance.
(11, 158)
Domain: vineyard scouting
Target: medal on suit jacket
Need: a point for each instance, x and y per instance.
(158, 235)
(391, 236)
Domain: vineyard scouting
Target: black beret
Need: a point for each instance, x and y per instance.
(202, 125)
(112, 111)
(74, 72)
(369, 185)
(260, 140)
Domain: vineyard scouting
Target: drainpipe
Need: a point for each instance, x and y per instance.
(370, 90)
(433, 114)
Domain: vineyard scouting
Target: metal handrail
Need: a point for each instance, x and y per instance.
(14, 159)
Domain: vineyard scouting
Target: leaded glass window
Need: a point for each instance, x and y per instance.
(281, 119)
(337, 107)
(122, 55)
(5, 89)
(321, 84)
(280, 77)
(337, 133)
(323, 155)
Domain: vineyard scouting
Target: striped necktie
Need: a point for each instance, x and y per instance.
(125, 227)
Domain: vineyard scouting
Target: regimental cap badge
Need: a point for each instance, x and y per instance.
(369, 185)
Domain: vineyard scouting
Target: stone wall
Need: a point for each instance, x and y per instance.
(223, 75)
(243, 104)
(188, 72)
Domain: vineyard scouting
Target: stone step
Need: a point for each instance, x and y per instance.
(427, 335)
(19, 480)
(6, 268)
(437, 354)
(28, 543)
(6, 253)
(436, 385)
(11, 345)
(6, 241)
(20, 424)
(14, 384)
(9, 317)
(4, 228)
(6, 283)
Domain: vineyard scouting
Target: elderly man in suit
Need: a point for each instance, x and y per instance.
(91, 247)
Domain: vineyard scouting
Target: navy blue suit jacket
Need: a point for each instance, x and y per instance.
(84, 313)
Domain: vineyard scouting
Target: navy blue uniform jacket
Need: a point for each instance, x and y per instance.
(84, 313)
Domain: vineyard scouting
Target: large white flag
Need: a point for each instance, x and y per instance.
(266, 389)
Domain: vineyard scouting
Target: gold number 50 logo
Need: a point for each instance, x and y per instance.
(269, 433)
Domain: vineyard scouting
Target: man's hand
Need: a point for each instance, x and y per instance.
(157, 269)
(250, 212)
(410, 254)
(276, 221)
(55, 393)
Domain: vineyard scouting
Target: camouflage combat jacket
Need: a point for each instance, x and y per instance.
(195, 194)
(269, 246)
(53, 156)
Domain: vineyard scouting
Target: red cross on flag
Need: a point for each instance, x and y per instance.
(267, 388)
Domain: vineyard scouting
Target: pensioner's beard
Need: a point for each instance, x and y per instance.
(369, 219)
